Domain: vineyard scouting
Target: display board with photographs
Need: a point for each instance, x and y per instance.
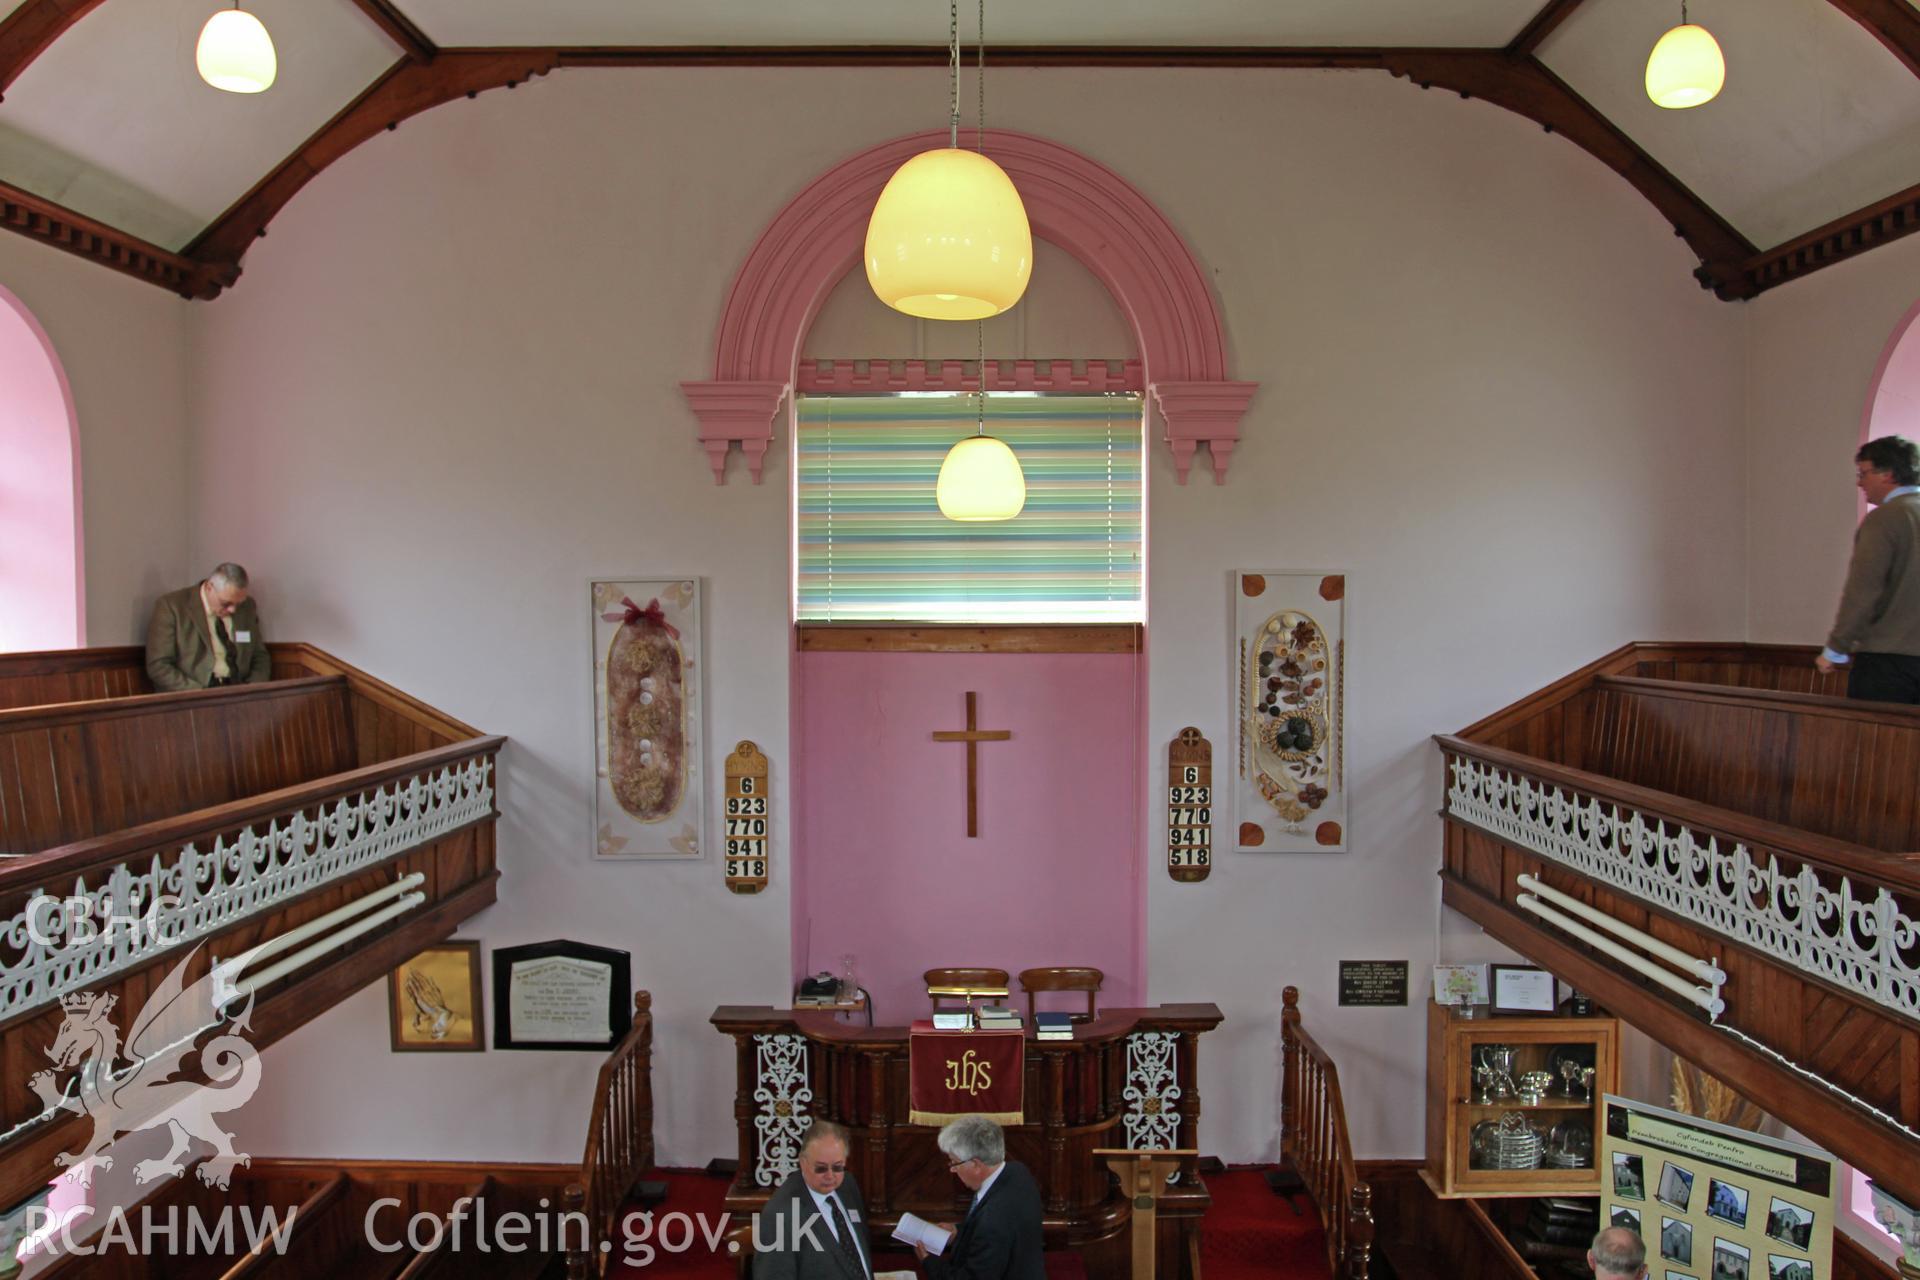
(1714, 1202)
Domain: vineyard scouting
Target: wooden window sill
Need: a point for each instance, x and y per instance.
(1121, 637)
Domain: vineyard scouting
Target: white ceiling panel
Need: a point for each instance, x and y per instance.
(1131, 22)
(1817, 119)
(114, 122)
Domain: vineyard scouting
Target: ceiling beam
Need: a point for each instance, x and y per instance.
(28, 30)
(1526, 87)
(399, 28)
(29, 215)
(405, 91)
(1895, 23)
(1845, 237)
(1542, 26)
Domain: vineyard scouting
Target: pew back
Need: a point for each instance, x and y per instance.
(72, 771)
(1848, 770)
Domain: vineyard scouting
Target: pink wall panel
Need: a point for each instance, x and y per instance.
(883, 867)
(40, 587)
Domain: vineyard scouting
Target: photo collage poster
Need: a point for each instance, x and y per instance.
(1714, 1202)
(1289, 788)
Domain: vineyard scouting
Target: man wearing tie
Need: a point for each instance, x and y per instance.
(205, 636)
(813, 1227)
(999, 1239)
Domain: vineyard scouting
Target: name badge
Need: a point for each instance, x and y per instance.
(242, 637)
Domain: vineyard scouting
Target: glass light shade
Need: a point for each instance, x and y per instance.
(235, 53)
(949, 238)
(980, 480)
(1685, 68)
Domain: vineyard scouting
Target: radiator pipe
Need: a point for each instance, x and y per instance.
(1705, 970)
(320, 924)
(1707, 1000)
(332, 942)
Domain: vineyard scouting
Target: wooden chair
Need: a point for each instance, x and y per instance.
(1062, 978)
(962, 977)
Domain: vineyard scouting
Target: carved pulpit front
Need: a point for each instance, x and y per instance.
(1127, 1079)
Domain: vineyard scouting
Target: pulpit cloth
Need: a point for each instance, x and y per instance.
(960, 1073)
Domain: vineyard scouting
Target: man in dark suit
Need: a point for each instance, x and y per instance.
(999, 1239)
(205, 636)
(814, 1227)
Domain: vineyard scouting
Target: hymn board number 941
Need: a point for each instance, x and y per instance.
(747, 819)
(1189, 806)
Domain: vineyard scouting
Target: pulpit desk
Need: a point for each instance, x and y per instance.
(1128, 1078)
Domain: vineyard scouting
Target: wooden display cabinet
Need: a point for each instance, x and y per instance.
(1454, 1107)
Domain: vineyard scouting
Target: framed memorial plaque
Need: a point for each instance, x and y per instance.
(1189, 806)
(561, 995)
(747, 817)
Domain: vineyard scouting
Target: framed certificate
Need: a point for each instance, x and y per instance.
(1521, 989)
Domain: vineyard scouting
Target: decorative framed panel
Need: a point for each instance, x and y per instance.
(649, 793)
(1289, 662)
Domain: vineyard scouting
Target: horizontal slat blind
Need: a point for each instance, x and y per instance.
(873, 545)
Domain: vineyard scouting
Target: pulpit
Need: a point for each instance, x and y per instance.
(1128, 1079)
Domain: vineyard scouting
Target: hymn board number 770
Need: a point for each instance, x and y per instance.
(1189, 806)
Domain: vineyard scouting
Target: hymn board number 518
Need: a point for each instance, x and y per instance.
(747, 819)
(1189, 806)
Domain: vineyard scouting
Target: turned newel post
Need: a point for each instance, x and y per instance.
(1359, 1253)
(581, 1261)
(1903, 1220)
(1289, 1062)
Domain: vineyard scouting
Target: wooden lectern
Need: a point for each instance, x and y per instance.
(1143, 1174)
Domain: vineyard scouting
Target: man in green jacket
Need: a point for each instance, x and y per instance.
(1876, 633)
(206, 636)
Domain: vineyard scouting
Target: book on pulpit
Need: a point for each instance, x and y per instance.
(953, 1022)
(996, 1017)
(1053, 1026)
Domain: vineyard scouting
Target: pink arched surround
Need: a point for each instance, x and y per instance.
(1073, 201)
(42, 571)
(1901, 342)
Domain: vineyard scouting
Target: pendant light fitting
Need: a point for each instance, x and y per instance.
(1686, 67)
(949, 237)
(980, 479)
(235, 53)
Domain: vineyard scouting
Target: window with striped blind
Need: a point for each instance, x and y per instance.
(873, 546)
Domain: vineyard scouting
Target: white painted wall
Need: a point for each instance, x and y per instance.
(445, 394)
(1812, 353)
(123, 344)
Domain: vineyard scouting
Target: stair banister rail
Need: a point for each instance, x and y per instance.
(1313, 1138)
(619, 1143)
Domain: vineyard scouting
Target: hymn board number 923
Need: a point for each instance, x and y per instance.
(1189, 806)
(747, 819)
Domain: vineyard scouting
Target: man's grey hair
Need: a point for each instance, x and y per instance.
(825, 1129)
(974, 1138)
(1619, 1254)
(229, 575)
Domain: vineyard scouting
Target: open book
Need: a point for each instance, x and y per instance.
(919, 1231)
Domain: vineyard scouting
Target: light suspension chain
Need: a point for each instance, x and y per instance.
(953, 72)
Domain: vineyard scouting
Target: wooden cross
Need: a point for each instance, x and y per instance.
(972, 736)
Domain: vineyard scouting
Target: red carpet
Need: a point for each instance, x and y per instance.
(1250, 1234)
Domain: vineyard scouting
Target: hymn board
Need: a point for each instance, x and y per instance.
(1189, 806)
(746, 818)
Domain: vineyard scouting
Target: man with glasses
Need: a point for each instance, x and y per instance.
(814, 1226)
(206, 636)
(1876, 633)
(999, 1239)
